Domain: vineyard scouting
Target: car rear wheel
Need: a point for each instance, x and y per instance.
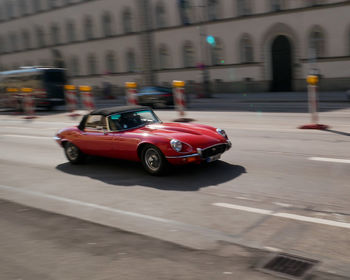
(73, 154)
(153, 160)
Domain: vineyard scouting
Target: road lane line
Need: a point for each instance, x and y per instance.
(27, 136)
(336, 160)
(285, 215)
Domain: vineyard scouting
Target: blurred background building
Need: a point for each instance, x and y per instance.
(250, 45)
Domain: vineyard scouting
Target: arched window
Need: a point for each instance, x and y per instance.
(107, 24)
(213, 9)
(88, 28)
(164, 57)
(244, 7)
(22, 5)
(55, 34)
(316, 43)
(26, 40)
(13, 41)
(217, 52)
(40, 35)
(276, 5)
(75, 66)
(92, 64)
(185, 10)
(160, 15)
(127, 21)
(36, 5)
(188, 55)
(110, 62)
(246, 49)
(70, 31)
(131, 61)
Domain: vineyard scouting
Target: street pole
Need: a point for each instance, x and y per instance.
(204, 51)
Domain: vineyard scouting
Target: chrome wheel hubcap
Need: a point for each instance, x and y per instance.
(72, 152)
(152, 159)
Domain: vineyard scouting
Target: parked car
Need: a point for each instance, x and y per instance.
(157, 97)
(135, 133)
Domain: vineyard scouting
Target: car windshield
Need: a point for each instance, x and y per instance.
(129, 120)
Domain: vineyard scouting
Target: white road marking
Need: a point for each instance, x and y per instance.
(282, 204)
(272, 249)
(27, 136)
(336, 160)
(285, 215)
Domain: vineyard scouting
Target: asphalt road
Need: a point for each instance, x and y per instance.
(277, 189)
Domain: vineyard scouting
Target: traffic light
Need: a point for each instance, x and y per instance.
(211, 40)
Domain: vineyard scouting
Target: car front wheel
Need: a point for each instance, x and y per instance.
(73, 154)
(153, 160)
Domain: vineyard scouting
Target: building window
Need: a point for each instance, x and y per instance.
(164, 57)
(244, 7)
(75, 68)
(107, 24)
(276, 5)
(246, 49)
(52, 4)
(40, 37)
(216, 51)
(36, 5)
(26, 39)
(9, 10)
(127, 21)
(13, 42)
(88, 28)
(213, 9)
(2, 45)
(160, 15)
(188, 55)
(23, 7)
(316, 44)
(110, 63)
(70, 31)
(131, 61)
(92, 64)
(55, 35)
(185, 9)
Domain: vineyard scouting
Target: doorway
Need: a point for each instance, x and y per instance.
(281, 53)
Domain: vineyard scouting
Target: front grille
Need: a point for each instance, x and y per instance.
(214, 150)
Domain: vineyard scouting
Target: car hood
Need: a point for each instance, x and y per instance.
(195, 135)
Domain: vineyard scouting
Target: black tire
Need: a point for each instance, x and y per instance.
(73, 153)
(153, 160)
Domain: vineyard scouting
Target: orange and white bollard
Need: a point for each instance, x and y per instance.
(70, 93)
(179, 99)
(87, 98)
(131, 90)
(312, 81)
(28, 103)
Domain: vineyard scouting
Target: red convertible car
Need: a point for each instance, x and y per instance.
(136, 133)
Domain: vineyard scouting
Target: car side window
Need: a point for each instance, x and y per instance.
(96, 122)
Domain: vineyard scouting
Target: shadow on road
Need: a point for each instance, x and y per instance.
(338, 132)
(124, 173)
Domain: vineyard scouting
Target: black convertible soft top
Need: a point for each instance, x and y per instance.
(118, 109)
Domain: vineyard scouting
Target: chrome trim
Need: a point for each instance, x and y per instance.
(185, 156)
(199, 150)
(56, 138)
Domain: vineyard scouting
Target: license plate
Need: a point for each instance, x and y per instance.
(213, 158)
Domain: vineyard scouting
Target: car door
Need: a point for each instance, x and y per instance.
(96, 138)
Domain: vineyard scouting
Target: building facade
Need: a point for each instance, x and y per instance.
(239, 45)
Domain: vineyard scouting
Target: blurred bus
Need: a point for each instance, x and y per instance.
(47, 84)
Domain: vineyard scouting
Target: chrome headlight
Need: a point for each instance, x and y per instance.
(176, 145)
(221, 132)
